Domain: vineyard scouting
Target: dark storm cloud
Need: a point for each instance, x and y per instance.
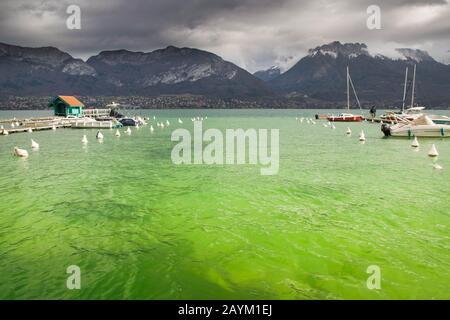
(251, 33)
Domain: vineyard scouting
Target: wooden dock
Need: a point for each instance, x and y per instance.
(34, 128)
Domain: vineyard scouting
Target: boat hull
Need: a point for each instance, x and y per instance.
(346, 119)
(428, 131)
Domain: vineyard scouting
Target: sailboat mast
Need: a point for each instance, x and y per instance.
(413, 87)
(348, 90)
(404, 90)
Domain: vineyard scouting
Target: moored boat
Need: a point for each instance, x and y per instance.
(423, 126)
(348, 117)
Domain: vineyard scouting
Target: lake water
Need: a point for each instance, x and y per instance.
(140, 227)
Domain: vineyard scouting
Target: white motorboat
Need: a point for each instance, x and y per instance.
(422, 126)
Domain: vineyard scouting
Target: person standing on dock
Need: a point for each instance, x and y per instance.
(373, 112)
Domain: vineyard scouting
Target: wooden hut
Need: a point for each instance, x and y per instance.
(67, 106)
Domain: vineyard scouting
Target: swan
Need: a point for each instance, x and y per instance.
(34, 145)
(20, 152)
(99, 135)
(84, 140)
(117, 133)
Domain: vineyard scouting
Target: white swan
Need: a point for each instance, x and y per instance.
(34, 145)
(84, 140)
(20, 152)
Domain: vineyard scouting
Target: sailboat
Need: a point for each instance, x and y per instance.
(410, 113)
(348, 117)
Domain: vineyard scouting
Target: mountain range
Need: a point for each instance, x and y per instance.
(319, 78)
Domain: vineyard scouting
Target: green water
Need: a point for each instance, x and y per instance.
(140, 227)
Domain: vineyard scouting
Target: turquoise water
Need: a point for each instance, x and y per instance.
(140, 227)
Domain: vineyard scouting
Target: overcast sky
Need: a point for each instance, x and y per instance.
(254, 34)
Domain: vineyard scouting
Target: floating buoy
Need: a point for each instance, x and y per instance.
(13, 125)
(180, 121)
(53, 127)
(433, 151)
(20, 152)
(5, 132)
(30, 130)
(128, 131)
(162, 125)
(117, 133)
(333, 127)
(167, 123)
(151, 128)
(154, 118)
(362, 136)
(84, 140)
(325, 125)
(415, 143)
(34, 145)
(349, 131)
(381, 122)
(137, 126)
(99, 135)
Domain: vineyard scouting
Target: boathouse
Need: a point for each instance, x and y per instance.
(67, 106)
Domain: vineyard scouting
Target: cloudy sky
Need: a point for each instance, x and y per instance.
(254, 34)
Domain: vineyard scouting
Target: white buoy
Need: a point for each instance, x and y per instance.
(349, 131)
(180, 121)
(30, 130)
(128, 131)
(84, 140)
(13, 125)
(53, 127)
(154, 117)
(433, 151)
(162, 125)
(117, 133)
(333, 127)
(5, 132)
(325, 125)
(99, 135)
(20, 152)
(167, 123)
(151, 128)
(362, 136)
(415, 143)
(34, 145)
